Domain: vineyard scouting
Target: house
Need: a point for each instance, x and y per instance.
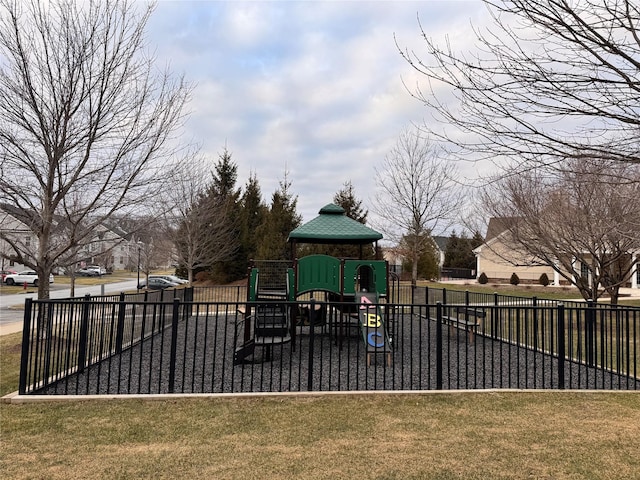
(109, 245)
(13, 230)
(395, 257)
(498, 258)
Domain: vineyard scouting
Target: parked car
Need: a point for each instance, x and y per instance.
(26, 276)
(88, 272)
(157, 283)
(4, 273)
(171, 278)
(98, 269)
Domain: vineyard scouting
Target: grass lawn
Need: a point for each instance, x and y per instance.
(488, 435)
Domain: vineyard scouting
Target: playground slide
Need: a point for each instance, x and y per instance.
(372, 326)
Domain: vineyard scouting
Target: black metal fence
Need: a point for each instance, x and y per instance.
(148, 344)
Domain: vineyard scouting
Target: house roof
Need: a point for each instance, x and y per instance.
(333, 226)
(441, 242)
(497, 226)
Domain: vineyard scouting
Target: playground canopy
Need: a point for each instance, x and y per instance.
(334, 227)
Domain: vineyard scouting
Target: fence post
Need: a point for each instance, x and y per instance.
(535, 324)
(84, 331)
(561, 343)
(444, 296)
(120, 324)
(590, 337)
(439, 346)
(174, 344)
(312, 319)
(24, 356)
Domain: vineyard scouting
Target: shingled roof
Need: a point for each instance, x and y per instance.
(333, 226)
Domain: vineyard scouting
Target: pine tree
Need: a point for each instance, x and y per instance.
(226, 196)
(252, 215)
(281, 219)
(346, 198)
(428, 260)
(459, 251)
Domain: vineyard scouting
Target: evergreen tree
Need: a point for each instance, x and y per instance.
(346, 198)
(428, 260)
(476, 240)
(459, 251)
(281, 219)
(225, 178)
(224, 194)
(452, 252)
(252, 215)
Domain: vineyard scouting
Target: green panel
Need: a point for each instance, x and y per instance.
(318, 272)
(379, 281)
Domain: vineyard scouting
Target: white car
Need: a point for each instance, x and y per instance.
(26, 276)
(97, 269)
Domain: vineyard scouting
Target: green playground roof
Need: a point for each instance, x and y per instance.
(333, 226)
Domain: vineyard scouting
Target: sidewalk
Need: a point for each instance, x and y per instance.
(9, 328)
(12, 313)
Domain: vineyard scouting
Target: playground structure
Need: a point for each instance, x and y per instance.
(351, 290)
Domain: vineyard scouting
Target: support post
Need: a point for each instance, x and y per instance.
(84, 331)
(24, 356)
(439, 346)
(561, 345)
(174, 344)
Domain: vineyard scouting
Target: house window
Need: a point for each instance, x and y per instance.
(584, 270)
(27, 242)
(121, 260)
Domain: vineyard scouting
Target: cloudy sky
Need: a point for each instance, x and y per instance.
(313, 88)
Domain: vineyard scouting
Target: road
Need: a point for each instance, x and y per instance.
(12, 313)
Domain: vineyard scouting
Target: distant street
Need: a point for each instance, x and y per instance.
(11, 310)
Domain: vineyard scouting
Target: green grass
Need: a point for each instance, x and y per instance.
(9, 362)
(551, 293)
(497, 435)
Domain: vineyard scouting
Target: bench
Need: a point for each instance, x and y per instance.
(466, 317)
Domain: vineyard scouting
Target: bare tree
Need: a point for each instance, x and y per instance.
(196, 223)
(549, 80)
(85, 120)
(416, 194)
(582, 221)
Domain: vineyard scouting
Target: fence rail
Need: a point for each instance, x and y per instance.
(185, 342)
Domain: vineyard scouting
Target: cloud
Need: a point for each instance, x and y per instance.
(311, 88)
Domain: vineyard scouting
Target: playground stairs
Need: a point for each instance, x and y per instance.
(270, 327)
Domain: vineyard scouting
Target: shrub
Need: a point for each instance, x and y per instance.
(514, 280)
(202, 276)
(482, 279)
(544, 280)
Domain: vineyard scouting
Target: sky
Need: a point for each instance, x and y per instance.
(315, 90)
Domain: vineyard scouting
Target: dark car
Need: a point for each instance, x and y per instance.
(88, 272)
(156, 283)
